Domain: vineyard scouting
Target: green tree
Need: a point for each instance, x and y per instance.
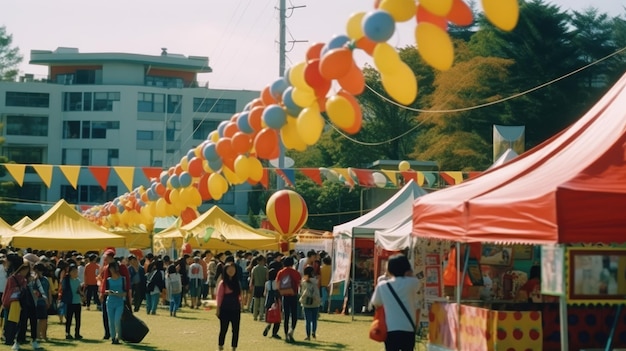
(329, 204)
(10, 56)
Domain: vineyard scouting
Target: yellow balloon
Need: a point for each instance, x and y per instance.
(340, 111)
(161, 208)
(191, 197)
(186, 197)
(440, 8)
(303, 97)
(404, 166)
(255, 169)
(242, 168)
(386, 58)
(176, 199)
(198, 150)
(290, 136)
(217, 186)
(400, 10)
(231, 177)
(354, 27)
(401, 86)
(504, 14)
(184, 163)
(214, 136)
(296, 76)
(310, 125)
(434, 45)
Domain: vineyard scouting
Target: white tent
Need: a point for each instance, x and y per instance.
(396, 238)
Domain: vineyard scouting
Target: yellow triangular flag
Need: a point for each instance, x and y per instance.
(16, 171)
(126, 174)
(457, 176)
(71, 174)
(391, 175)
(45, 173)
(346, 175)
(420, 178)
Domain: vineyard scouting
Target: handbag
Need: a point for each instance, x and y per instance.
(53, 309)
(273, 314)
(378, 328)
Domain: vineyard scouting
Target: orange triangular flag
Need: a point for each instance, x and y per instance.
(265, 180)
(408, 175)
(45, 173)
(457, 176)
(126, 174)
(71, 173)
(313, 173)
(152, 172)
(101, 174)
(391, 175)
(16, 171)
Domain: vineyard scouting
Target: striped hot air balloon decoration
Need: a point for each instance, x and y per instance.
(287, 212)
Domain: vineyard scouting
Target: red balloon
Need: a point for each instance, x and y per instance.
(160, 189)
(166, 196)
(460, 14)
(195, 167)
(188, 215)
(256, 117)
(266, 143)
(256, 102)
(203, 187)
(178, 169)
(224, 148)
(241, 143)
(230, 129)
(186, 248)
(354, 81)
(314, 51)
(233, 118)
(424, 15)
(287, 211)
(314, 78)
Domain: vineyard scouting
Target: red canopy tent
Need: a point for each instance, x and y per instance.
(571, 188)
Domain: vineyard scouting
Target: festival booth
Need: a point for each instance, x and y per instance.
(355, 239)
(63, 228)
(214, 230)
(566, 192)
(22, 223)
(136, 237)
(310, 239)
(6, 233)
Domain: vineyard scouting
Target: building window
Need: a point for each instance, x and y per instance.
(25, 155)
(145, 135)
(149, 102)
(21, 99)
(214, 105)
(88, 101)
(98, 130)
(113, 157)
(201, 129)
(174, 103)
(170, 131)
(84, 76)
(88, 194)
(104, 101)
(169, 82)
(27, 125)
(85, 157)
(71, 129)
(32, 191)
(88, 129)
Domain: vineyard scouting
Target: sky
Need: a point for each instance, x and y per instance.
(239, 36)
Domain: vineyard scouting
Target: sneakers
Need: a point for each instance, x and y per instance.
(15, 346)
(276, 336)
(290, 335)
(78, 337)
(307, 338)
(115, 342)
(266, 330)
(35, 345)
(313, 335)
(69, 337)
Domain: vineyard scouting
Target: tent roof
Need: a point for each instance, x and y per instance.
(6, 232)
(506, 156)
(22, 223)
(162, 223)
(229, 233)
(136, 237)
(571, 188)
(387, 215)
(397, 237)
(62, 228)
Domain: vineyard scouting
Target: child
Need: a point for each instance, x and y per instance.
(310, 300)
(71, 297)
(271, 296)
(174, 287)
(115, 292)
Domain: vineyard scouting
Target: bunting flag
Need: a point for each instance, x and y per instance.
(457, 176)
(365, 177)
(431, 178)
(391, 175)
(472, 174)
(101, 174)
(71, 173)
(288, 175)
(265, 180)
(420, 178)
(45, 173)
(346, 175)
(152, 172)
(126, 174)
(16, 171)
(408, 175)
(313, 173)
(207, 234)
(447, 178)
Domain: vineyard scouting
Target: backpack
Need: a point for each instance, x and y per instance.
(150, 283)
(285, 286)
(176, 286)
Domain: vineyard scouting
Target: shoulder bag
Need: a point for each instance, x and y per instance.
(378, 328)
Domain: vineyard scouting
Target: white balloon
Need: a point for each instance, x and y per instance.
(379, 179)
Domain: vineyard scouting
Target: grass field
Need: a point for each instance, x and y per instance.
(198, 330)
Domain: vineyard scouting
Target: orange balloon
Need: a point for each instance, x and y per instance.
(460, 14)
(188, 215)
(256, 102)
(366, 45)
(266, 143)
(224, 148)
(241, 143)
(358, 113)
(229, 162)
(267, 97)
(233, 118)
(178, 169)
(203, 187)
(314, 79)
(160, 189)
(314, 51)
(354, 81)
(424, 15)
(336, 63)
(230, 129)
(195, 167)
(256, 117)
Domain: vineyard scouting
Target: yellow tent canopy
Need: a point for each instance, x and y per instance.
(136, 237)
(215, 230)
(6, 232)
(22, 223)
(63, 228)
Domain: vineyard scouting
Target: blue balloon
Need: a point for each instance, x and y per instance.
(121, 208)
(274, 116)
(243, 124)
(221, 127)
(292, 108)
(278, 88)
(174, 181)
(248, 106)
(163, 179)
(185, 179)
(286, 76)
(209, 152)
(378, 26)
(190, 154)
(152, 195)
(336, 42)
(215, 165)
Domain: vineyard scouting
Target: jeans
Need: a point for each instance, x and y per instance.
(400, 341)
(233, 318)
(152, 301)
(310, 319)
(205, 290)
(72, 310)
(174, 300)
(290, 308)
(92, 293)
(324, 298)
(115, 309)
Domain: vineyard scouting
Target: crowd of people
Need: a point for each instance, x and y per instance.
(36, 285)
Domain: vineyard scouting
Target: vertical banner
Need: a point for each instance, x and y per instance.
(341, 263)
(552, 272)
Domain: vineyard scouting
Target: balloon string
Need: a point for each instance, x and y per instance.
(464, 108)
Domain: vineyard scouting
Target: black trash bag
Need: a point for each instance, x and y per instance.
(133, 328)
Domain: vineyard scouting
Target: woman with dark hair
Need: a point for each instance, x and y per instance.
(59, 274)
(41, 289)
(116, 291)
(271, 296)
(71, 297)
(16, 285)
(155, 283)
(398, 295)
(181, 265)
(229, 305)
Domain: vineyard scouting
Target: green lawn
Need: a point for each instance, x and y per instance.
(198, 329)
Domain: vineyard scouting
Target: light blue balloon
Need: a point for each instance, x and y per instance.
(190, 154)
(152, 195)
(292, 108)
(274, 116)
(163, 179)
(286, 76)
(243, 124)
(209, 151)
(378, 26)
(121, 208)
(336, 42)
(215, 165)
(221, 127)
(185, 179)
(175, 181)
(248, 106)
(278, 88)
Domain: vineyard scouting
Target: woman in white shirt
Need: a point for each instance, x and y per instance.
(400, 316)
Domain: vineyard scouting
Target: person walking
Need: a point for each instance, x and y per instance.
(91, 281)
(258, 277)
(174, 287)
(115, 291)
(288, 280)
(41, 290)
(16, 285)
(195, 282)
(310, 300)
(137, 281)
(155, 283)
(109, 257)
(325, 275)
(71, 297)
(398, 295)
(229, 305)
(271, 296)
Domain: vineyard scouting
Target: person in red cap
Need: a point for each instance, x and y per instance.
(109, 256)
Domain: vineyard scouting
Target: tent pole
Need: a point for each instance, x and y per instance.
(458, 295)
(563, 319)
(353, 274)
